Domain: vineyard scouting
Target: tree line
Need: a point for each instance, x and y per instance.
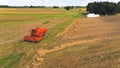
(103, 8)
(6, 6)
(31, 6)
(55, 7)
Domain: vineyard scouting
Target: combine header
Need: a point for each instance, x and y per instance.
(36, 35)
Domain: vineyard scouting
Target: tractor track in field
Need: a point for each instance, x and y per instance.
(39, 57)
(14, 40)
(30, 26)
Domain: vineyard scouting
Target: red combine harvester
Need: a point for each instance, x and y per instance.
(36, 35)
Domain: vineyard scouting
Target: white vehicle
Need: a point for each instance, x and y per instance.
(92, 15)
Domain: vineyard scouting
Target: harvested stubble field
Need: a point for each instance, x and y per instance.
(88, 43)
(72, 41)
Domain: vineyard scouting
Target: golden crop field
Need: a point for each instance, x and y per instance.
(71, 41)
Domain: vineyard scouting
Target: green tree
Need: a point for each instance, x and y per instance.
(55, 7)
(103, 8)
(118, 7)
(67, 7)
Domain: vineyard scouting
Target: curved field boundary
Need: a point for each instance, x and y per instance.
(39, 58)
(77, 20)
(57, 48)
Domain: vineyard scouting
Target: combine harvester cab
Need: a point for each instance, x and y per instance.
(36, 35)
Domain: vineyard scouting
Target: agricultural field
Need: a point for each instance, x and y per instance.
(71, 41)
